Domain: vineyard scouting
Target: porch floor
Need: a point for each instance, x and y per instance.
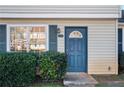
(74, 79)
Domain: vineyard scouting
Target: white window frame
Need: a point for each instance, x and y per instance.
(10, 25)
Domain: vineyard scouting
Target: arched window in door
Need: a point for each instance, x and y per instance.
(75, 34)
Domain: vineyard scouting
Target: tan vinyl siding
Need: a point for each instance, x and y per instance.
(102, 37)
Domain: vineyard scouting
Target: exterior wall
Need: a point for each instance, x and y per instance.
(102, 41)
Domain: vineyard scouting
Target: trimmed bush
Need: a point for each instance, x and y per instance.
(17, 69)
(52, 65)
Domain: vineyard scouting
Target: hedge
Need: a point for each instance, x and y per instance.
(17, 69)
(52, 65)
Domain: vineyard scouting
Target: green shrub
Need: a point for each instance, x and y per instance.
(17, 69)
(52, 65)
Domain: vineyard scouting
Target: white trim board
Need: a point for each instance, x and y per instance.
(116, 42)
(59, 16)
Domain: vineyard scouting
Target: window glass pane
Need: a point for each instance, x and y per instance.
(38, 39)
(28, 38)
(18, 39)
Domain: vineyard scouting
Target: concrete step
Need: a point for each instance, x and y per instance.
(80, 86)
(79, 80)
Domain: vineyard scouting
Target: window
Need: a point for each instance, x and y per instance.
(75, 34)
(28, 38)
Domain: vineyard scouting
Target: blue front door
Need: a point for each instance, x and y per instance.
(76, 48)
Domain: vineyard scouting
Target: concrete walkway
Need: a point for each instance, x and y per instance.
(79, 80)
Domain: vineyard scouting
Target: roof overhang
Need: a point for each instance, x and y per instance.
(70, 11)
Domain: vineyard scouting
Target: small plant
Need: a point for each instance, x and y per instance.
(52, 65)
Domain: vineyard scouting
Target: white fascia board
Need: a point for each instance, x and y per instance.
(58, 15)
